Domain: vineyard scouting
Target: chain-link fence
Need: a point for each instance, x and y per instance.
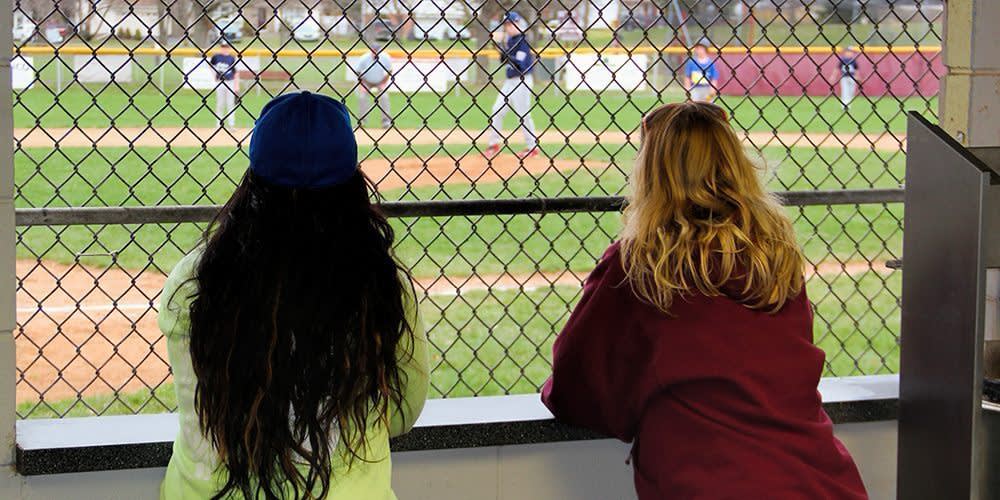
(132, 122)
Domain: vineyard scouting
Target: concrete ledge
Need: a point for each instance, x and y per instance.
(56, 446)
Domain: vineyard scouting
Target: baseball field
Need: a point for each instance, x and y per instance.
(497, 288)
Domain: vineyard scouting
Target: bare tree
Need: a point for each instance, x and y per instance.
(38, 11)
(483, 19)
(86, 18)
(99, 16)
(193, 20)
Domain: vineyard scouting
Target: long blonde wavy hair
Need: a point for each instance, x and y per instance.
(698, 217)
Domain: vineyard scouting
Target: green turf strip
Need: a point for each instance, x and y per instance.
(48, 177)
(457, 245)
(129, 105)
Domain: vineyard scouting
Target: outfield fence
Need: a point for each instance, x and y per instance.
(122, 156)
(759, 70)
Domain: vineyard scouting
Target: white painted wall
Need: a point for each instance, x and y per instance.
(581, 470)
(110, 18)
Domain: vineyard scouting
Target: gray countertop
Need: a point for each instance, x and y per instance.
(54, 446)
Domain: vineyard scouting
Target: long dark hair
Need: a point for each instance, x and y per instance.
(294, 331)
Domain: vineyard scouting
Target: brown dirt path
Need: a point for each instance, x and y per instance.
(198, 137)
(85, 330)
(439, 169)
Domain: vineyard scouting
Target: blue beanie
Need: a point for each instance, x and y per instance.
(303, 140)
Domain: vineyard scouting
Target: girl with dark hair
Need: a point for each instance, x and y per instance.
(292, 331)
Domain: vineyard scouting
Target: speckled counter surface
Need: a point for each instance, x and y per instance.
(128, 442)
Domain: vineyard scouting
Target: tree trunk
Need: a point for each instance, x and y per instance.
(193, 21)
(170, 30)
(483, 20)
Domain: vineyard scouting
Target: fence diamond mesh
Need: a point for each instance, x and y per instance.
(126, 140)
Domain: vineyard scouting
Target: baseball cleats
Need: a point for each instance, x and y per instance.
(492, 151)
(528, 153)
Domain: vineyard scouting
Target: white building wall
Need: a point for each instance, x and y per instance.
(601, 14)
(113, 18)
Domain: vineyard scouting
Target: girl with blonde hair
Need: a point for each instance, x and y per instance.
(693, 338)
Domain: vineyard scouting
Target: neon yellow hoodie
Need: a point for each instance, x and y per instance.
(195, 472)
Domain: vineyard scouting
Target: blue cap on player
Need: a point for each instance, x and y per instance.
(512, 17)
(303, 140)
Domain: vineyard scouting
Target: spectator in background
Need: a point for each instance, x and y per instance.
(227, 83)
(701, 79)
(516, 93)
(847, 73)
(374, 71)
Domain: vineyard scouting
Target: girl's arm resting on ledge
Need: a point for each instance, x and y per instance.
(601, 363)
(414, 364)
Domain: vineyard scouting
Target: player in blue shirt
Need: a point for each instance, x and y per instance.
(847, 73)
(515, 94)
(228, 84)
(701, 79)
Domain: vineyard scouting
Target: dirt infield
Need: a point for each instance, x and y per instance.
(87, 331)
(215, 137)
(439, 170)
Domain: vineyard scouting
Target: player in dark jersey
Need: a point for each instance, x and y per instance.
(227, 83)
(516, 93)
(847, 73)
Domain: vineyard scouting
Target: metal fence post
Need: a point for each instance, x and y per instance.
(8, 403)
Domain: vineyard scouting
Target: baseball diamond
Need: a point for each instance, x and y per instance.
(122, 110)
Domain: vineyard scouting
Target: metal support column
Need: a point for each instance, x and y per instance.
(951, 238)
(8, 403)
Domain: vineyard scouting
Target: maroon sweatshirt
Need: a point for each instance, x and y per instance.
(719, 400)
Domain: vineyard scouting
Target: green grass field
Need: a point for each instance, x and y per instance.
(491, 343)
(128, 105)
(518, 243)
(154, 176)
(494, 343)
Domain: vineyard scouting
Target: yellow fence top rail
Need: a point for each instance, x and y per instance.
(454, 52)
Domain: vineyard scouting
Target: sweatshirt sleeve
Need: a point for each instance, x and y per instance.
(523, 59)
(414, 363)
(602, 366)
(173, 316)
(518, 55)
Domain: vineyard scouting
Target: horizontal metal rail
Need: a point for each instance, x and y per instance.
(69, 216)
(85, 50)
